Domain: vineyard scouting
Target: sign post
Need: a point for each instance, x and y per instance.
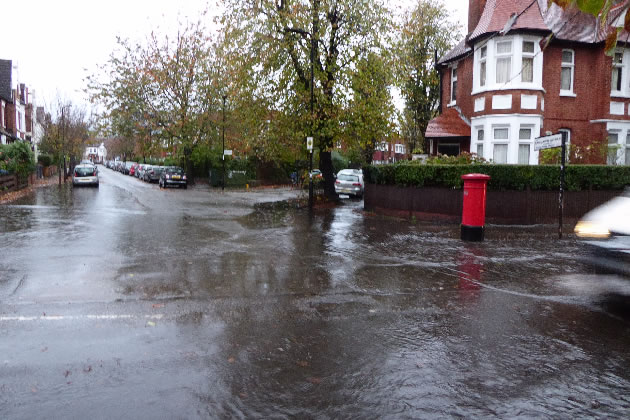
(309, 147)
(550, 142)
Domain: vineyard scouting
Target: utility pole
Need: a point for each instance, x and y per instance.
(223, 141)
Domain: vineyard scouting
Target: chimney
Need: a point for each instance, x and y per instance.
(475, 10)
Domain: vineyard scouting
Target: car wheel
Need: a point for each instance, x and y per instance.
(185, 186)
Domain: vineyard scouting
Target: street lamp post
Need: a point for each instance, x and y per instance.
(223, 141)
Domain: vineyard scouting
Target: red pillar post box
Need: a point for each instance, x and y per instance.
(474, 207)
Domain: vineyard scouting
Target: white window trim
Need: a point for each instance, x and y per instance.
(514, 122)
(451, 101)
(563, 65)
(517, 53)
(625, 87)
(622, 128)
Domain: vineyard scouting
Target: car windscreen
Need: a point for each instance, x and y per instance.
(84, 171)
(176, 171)
(349, 178)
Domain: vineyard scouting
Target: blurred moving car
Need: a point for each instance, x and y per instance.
(606, 230)
(173, 176)
(350, 181)
(85, 175)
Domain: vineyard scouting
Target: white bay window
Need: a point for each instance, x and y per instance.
(508, 62)
(506, 139)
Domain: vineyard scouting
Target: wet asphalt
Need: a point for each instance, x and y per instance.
(128, 301)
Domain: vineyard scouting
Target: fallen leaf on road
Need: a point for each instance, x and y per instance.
(242, 395)
(315, 381)
(302, 363)
(158, 305)
(68, 373)
(88, 369)
(44, 349)
(231, 360)
(151, 324)
(33, 390)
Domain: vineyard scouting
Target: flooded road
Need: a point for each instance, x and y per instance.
(128, 301)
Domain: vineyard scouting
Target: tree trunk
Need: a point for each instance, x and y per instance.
(326, 166)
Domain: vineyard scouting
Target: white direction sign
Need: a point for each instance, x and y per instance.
(309, 143)
(227, 152)
(548, 142)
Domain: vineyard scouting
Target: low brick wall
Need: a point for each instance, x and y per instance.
(502, 207)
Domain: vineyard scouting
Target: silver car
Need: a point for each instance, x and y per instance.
(85, 175)
(350, 182)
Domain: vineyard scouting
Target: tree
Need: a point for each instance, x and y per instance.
(160, 91)
(274, 43)
(371, 109)
(66, 134)
(426, 33)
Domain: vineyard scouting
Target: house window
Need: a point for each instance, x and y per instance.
(448, 149)
(504, 61)
(499, 151)
(480, 136)
(566, 77)
(453, 84)
(400, 148)
(626, 154)
(613, 145)
(527, 73)
(483, 52)
(19, 116)
(617, 73)
(524, 146)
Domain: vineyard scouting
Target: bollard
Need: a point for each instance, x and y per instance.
(474, 207)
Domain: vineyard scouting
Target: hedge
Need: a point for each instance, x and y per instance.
(502, 177)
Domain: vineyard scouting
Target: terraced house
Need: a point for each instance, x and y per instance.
(525, 69)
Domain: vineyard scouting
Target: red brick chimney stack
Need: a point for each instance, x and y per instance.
(475, 10)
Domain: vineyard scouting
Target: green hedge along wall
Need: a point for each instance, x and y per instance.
(503, 177)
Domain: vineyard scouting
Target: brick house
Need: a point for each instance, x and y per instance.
(13, 106)
(506, 84)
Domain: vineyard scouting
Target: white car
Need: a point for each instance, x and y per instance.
(606, 230)
(350, 182)
(85, 175)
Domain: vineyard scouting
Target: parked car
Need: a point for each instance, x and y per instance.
(133, 169)
(173, 176)
(153, 173)
(350, 181)
(606, 231)
(85, 175)
(142, 170)
(126, 167)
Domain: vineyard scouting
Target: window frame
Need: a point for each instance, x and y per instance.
(503, 56)
(571, 67)
(619, 67)
(528, 55)
(616, 144)
(453, 98)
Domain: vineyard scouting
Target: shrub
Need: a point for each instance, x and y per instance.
(17, 158)
(502, 177)
(44, 159)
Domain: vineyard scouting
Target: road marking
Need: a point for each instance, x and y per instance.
(77, 317)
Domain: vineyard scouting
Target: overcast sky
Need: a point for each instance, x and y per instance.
(57, 42)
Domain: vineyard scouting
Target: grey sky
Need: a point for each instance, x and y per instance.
(53, 42)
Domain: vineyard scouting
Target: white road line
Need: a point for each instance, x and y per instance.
(76, 317)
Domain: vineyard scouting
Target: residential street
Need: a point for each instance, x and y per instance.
(128, 301)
